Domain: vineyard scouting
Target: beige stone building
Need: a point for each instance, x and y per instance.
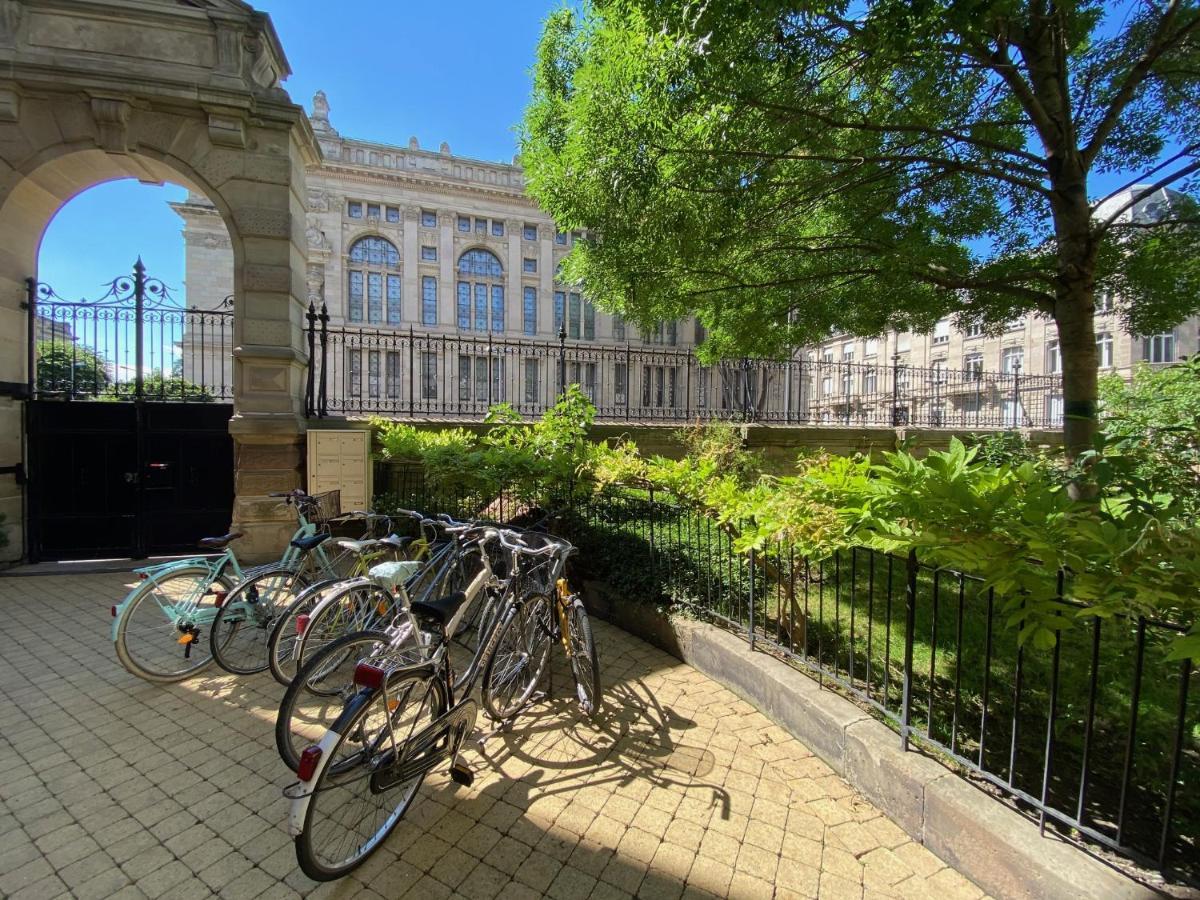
(425, 260)
(1027, 349)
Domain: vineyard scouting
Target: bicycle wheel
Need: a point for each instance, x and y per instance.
(585, 665)
(179, 605)
(353, 805)
(356, 606)
(320, 691)
(284, 640)
(518, 657)
(245, 620)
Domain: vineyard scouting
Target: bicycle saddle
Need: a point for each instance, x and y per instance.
(218, 543)
(396, 542)
(441, 610)
(357, 546)
(308, 543)
(394, 574)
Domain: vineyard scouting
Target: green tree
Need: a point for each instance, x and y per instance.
(68, 368)
(782, 169)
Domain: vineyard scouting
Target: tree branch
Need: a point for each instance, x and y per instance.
(1137, 198)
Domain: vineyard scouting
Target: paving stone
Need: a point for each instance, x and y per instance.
(685, 790)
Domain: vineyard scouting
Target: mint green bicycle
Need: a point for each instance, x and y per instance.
(161, 628)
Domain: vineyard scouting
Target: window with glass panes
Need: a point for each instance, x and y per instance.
(529, 232)
(529, 265)
(1053, 358)
(373, 275)
(473, 382)
(584, 375)
(354, 209)
(464, 223)
(1011, 359)
(372, 210)
(621, 384)
(560, 308)
(429, 254)
(531, 380)
(1159, 348)
(973, 366)
(429, 360)
(428, 218)
(573, 319)
(589, 321)
(1104, 350)
(529, 311)
(658, 386)
(480, 298)
(497, 228)
(393, 214)
(618, 321)
(429, 300)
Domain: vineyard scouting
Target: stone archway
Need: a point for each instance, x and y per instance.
(164, 92)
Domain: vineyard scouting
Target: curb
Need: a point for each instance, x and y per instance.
(987, 841)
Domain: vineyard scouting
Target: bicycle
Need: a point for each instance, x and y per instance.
(324, 680)
(158, 627)
(407, 718)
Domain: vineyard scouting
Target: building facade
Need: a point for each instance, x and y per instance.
(439, 276)
(1027, 349)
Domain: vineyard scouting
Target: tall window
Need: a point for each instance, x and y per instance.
(1012, 359)
(531, 380)
(529, 311)
(973, 330)
(479, 280)
(429, 374)
(373, 263)
(941, 332)
(658, 385)
(618, 327)
(573, 321)
(621, 384)
(589, 321)
(973, 366)
(1104, 301)
(1159, 348)
(1053, 358)
(560, 309)
(429, 300)
(1104, 350)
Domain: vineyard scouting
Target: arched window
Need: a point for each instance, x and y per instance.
(369, 279)
(479, 278)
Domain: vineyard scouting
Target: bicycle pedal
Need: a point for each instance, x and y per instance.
(460, 774)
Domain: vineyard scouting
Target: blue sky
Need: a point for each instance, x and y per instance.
(442, 72)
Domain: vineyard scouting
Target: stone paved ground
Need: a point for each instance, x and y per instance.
(114, 787)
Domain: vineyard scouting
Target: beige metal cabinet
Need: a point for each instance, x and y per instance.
(341, 461)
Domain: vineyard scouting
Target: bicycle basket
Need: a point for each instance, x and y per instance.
(326, 506)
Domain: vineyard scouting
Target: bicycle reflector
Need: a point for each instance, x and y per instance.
(114, 612)
(301, 623)
(308, 762)
(369, 676)
(220, 597)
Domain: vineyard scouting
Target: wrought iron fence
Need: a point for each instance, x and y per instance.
(135, 342)
(1094, 737)
(394, 372)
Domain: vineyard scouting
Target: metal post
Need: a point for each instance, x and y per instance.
(411, 370)
(628, 378)
(895, 390)
(751, 599)
(31, 287)
(910, 620)
(310, 384)
(139, 301)
(1016, 392)
(562, 356)
(323, 403)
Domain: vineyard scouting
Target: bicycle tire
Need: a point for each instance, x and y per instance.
(340, 614)
(152, 665)
(525, 634)
(347, 771)
(281, 644)
(585, 664)
(243, 624)
(301, 721)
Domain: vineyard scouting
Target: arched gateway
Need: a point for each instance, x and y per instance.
(163, 91)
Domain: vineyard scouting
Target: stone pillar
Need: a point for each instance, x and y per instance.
(546, 283)
(410, 283)
(516, 295)
(270, 352)
(446, 290)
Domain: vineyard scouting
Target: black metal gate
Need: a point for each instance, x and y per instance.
(129, 452)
